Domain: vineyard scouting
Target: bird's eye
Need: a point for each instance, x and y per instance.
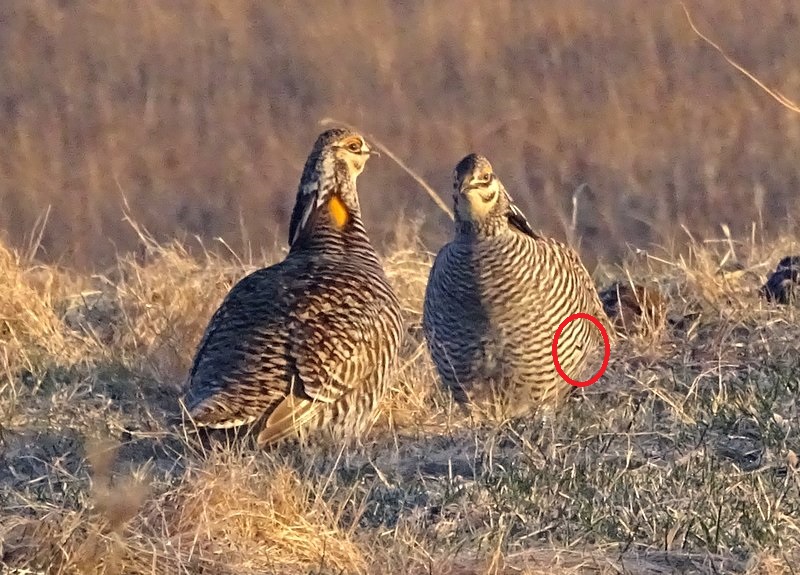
(487, 177)
(354, 146)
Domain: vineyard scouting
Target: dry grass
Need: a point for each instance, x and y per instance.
(201, 114)
(683, 458)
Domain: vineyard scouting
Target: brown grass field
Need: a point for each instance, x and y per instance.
(683, 458)
(201, 113)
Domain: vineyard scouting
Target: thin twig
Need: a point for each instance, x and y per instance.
(37, 233)
(383, 148)
(783, 100)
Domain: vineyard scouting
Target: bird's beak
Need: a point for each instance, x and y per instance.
(468, 185)
(372, 152)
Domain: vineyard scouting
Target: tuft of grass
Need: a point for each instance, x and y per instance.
(28, 322)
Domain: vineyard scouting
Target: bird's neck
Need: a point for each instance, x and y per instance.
(470, 230)
(335, 223)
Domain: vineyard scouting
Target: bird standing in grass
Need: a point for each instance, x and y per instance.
(495, 297)
(308, 342)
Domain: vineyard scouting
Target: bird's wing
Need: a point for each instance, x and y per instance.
(518, 220)
(334, 338)
(242, 365)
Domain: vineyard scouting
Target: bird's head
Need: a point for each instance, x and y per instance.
(328, 187)
(347, 149)
(476, 189)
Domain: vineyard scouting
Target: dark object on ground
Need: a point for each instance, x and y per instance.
(634, 308)
(782, 284)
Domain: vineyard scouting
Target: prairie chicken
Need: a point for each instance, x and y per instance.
(495, 297)
(783, 285)
(308, 342)
(634, 308)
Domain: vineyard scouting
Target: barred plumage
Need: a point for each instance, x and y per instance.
(308, 342)
(495, 297)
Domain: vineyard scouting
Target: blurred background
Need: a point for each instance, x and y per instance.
(201, 112)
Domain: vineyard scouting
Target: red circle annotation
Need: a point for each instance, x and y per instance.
(606, 355)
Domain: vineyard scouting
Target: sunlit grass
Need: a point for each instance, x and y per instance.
(682, 458)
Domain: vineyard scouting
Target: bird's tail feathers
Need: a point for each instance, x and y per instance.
(291, 414)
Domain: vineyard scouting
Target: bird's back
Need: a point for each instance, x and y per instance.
(313, 325)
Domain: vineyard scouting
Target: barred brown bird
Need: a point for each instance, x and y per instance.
(308, 342)
(495, 297)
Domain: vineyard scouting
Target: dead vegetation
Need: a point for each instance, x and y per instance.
(683, 458)
(201, 113)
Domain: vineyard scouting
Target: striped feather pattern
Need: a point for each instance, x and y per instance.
(309, 342)
(495, 297)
